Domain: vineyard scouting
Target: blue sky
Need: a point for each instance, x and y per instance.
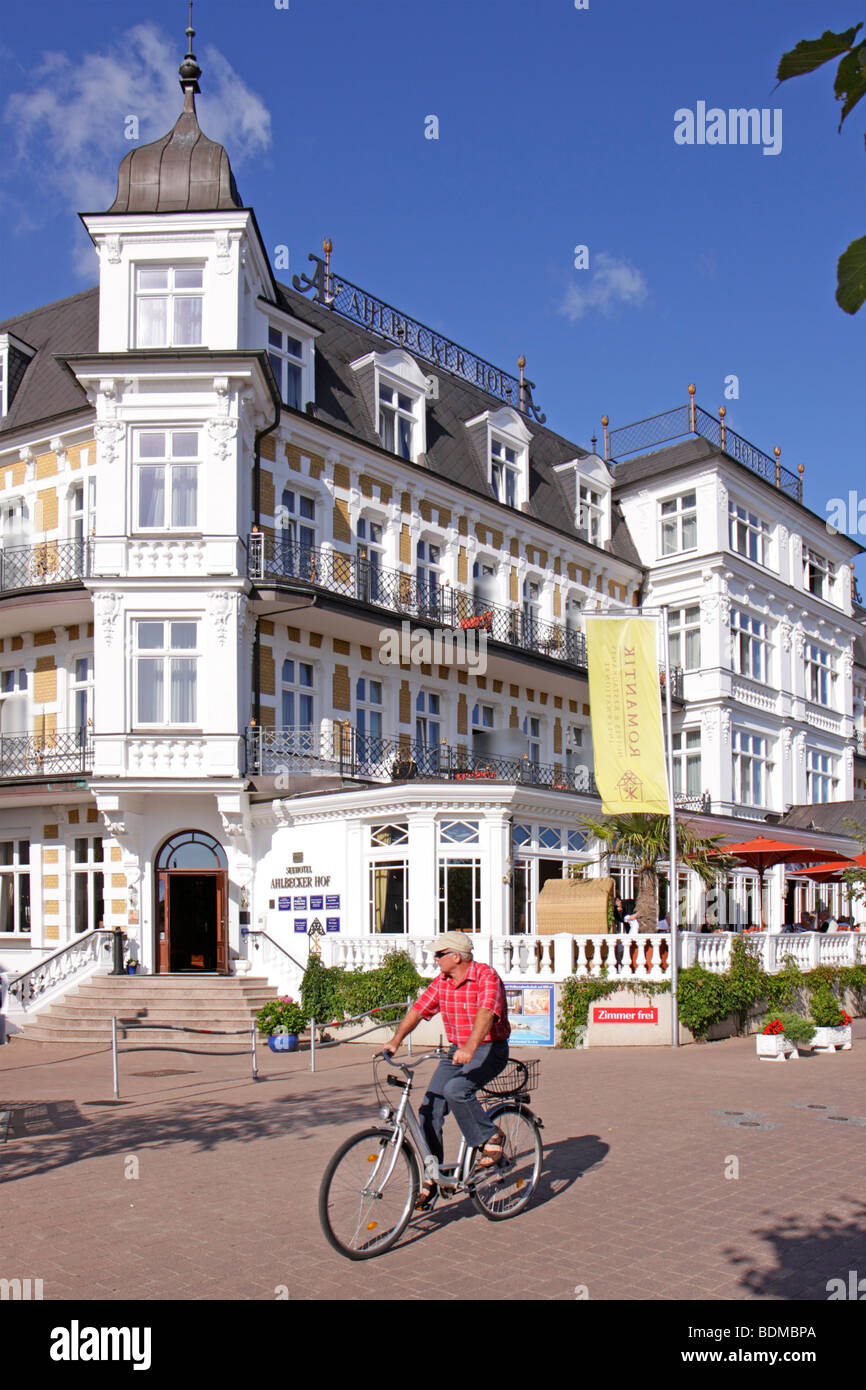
(556, 129)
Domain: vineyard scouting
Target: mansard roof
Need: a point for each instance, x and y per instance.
(47, 389)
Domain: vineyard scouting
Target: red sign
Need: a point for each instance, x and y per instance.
(604, 1014)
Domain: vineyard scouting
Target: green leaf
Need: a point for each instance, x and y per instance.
(812, 53)
(851, 80)
(851, 275)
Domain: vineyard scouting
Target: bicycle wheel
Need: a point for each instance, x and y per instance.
(367, 1195)
(507, 1189)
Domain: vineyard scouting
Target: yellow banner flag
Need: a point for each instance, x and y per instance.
(626, 714)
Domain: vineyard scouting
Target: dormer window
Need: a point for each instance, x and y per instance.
(394, 390)
(396, 421)
(168, 305)
(589, 514)
(286, 356)
(504, 473)
(819, 574)
(14, 358)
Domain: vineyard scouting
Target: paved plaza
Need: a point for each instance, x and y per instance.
(702, 1173)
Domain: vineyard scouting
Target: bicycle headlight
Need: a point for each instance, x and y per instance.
(385, 1112)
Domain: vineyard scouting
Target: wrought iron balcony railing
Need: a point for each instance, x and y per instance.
(686, 421)
(272, 559)
(684, 802)
(49, 562)
(51, 754)
(369, 757)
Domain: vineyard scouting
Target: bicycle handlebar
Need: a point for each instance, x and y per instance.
(409, 1067)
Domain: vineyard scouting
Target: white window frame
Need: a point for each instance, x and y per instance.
(750, 640)
(747, 758)
(814, 561)
(172, 294)
(683, 624)
(305, 335)
(87, 869)
(751, 530)
(169, 463)
(21, 691)
(590, 513)
(302, 734)
(821, 776)
(167, 653)
(820, 675)
(78, 687)
(685, 512)
(685, 757)
(399, 371)
(18, 870)
(506, 429)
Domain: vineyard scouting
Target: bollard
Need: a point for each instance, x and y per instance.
(114, 1055)
(312, 1044)
(253, 1048)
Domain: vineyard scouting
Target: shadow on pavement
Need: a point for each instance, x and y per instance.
(563, 1164)
(808, 1256)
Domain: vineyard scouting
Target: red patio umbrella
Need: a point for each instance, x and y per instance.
(762, 854)
(830, 872)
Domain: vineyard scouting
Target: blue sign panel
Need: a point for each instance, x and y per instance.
(332, 901)
(332, 924)
(316, 904)
(284, 904)
(300, 904)
(301, 924)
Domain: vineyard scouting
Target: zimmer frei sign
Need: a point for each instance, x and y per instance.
(626, 714)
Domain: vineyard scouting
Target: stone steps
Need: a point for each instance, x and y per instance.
(223, 1004)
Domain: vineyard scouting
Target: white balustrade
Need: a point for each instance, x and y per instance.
(32, 989)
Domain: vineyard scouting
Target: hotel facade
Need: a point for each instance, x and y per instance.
(292, 593)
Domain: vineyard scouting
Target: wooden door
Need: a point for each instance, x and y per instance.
(222, 925)
(163, 925)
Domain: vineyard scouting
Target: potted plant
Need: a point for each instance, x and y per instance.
(781, 1035)
(131, 963)
(832, 1024)
(283, 1020)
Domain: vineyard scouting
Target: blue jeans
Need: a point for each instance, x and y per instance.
(453, 1088)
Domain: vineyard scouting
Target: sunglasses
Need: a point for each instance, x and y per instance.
(439, 954)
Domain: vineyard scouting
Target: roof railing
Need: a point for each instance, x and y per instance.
(691, 421)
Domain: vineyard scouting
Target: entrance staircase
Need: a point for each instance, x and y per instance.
(220, 1003)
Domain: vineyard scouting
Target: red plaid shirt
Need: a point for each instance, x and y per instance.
(480, 988)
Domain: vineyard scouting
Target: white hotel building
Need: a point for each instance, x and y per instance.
(217, 491)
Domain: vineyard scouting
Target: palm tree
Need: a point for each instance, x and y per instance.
(645, 840)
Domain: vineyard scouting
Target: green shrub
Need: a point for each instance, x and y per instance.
(745, 980)
(320, 991)
(281, 1013)
(824, 1007)
(797, 1028)
(703, 999)
(787, 986)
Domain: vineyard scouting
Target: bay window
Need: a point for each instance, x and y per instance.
(168, 305)
(166, 464)
(166, 672)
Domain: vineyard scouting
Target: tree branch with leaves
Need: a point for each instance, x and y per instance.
(849, 87)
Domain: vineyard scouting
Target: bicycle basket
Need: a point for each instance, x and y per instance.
(516, 1078)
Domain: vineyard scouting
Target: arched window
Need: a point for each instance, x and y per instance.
(191, 849)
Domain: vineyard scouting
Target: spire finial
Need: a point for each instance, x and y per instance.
(189, 69)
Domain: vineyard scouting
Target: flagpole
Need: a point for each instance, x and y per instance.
(673, 879)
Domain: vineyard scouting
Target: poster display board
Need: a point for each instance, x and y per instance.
(531, 1015)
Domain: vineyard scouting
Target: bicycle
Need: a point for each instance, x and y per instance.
(369, 1187)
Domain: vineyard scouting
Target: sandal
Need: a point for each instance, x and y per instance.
(426, 1196)
(493, 1152)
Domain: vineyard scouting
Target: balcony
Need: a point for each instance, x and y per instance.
(44, 565)
(370, 758)
(56, 753)
(859, 741)
(275, 561)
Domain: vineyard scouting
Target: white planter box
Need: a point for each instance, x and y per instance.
(776, 1047)
(829, 1039)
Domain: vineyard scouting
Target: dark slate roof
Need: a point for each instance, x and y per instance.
(832, 817)
(70, 326)
(47, 389)
(449, 451)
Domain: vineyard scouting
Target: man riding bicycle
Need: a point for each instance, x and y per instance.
(470, 996)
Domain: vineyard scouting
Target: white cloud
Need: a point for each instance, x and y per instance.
(68, 124)
(613, 283)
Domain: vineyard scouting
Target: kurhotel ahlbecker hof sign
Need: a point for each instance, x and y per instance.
(304, 894)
